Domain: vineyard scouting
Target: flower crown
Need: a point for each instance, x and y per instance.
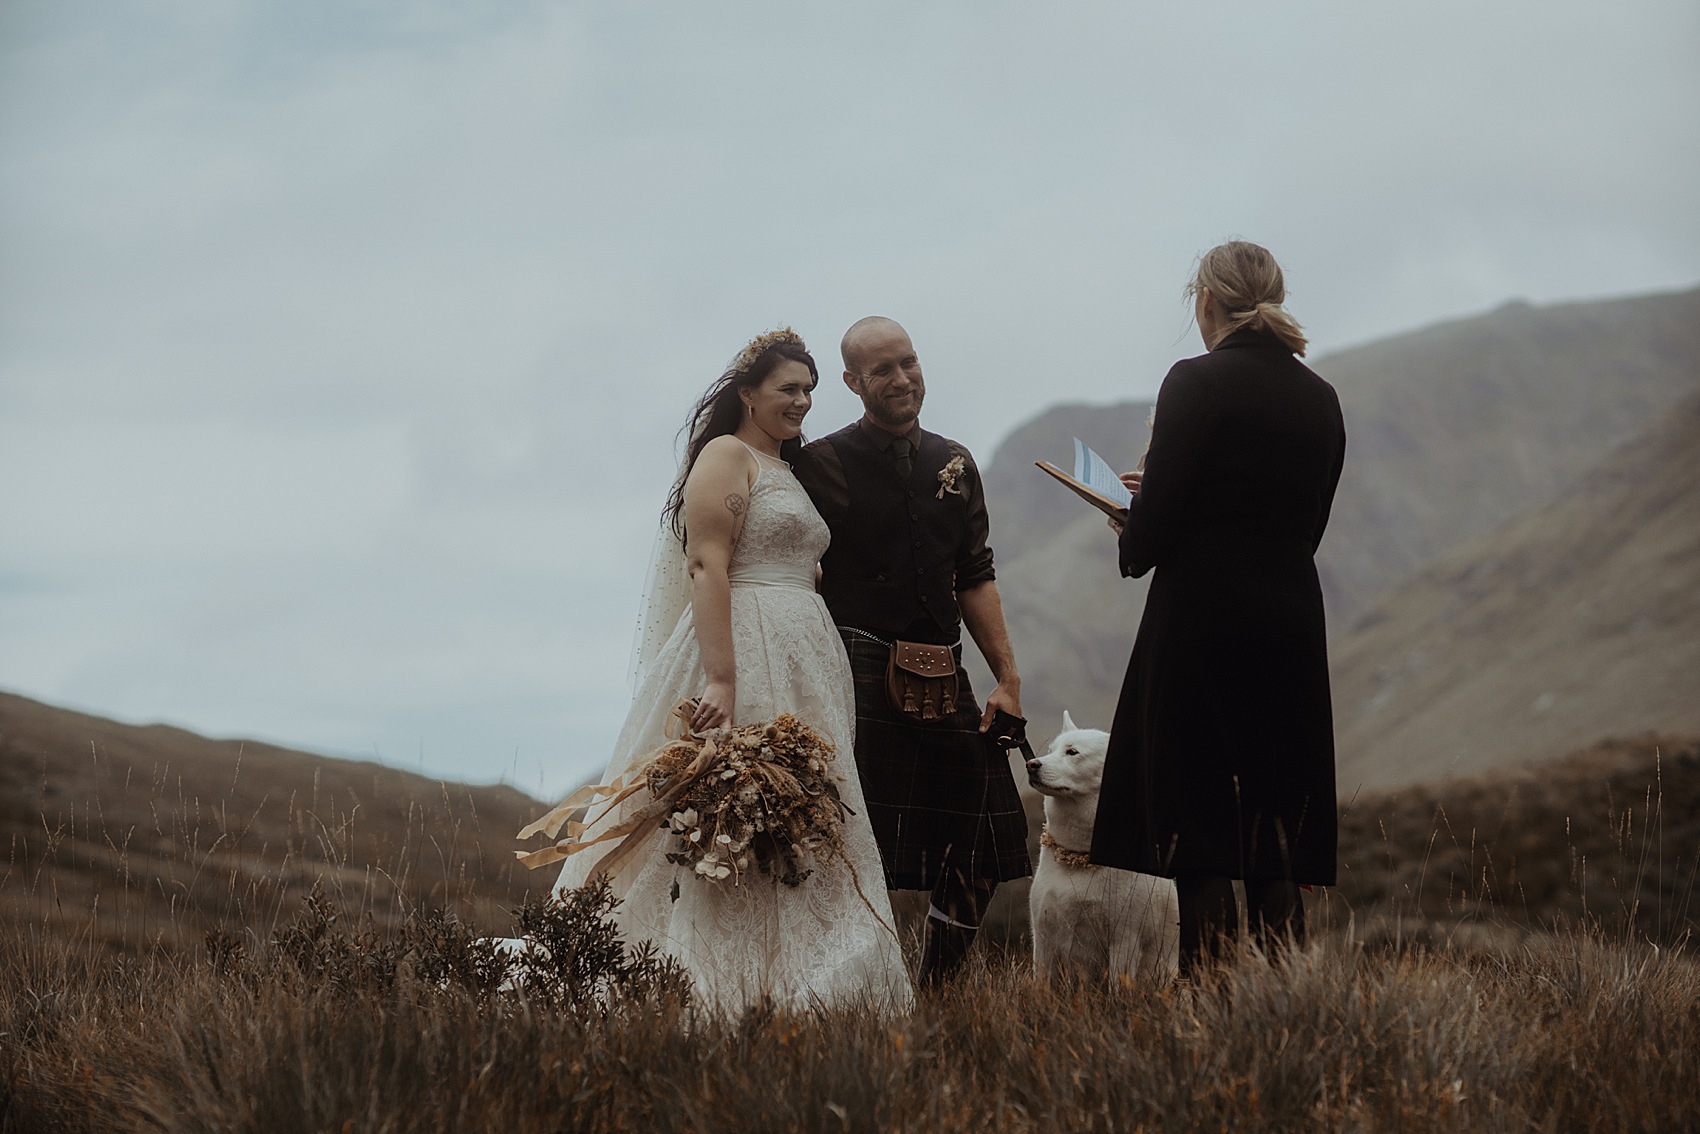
(763, 343)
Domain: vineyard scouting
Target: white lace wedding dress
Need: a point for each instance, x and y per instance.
(830, 941)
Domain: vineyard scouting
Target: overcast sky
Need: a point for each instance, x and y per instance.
(342, 345)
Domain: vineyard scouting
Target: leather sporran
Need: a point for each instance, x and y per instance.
(920, 680)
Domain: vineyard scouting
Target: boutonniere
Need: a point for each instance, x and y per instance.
(949, 475)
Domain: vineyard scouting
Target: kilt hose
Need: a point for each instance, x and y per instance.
(938, 795)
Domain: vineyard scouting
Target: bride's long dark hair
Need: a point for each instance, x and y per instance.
(720, 411)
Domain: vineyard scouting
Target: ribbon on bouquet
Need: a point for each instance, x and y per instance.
(638, 828)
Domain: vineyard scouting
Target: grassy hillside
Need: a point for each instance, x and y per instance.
(1606, 838)
(1503, 954)
(141, 836)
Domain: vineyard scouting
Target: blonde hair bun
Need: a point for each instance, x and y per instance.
(1248, 286)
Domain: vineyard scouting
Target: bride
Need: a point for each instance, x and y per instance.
(732, 619)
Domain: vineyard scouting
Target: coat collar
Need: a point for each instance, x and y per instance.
(1246, 337)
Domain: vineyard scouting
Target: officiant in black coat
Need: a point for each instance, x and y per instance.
(1221, 755)
(909, 561)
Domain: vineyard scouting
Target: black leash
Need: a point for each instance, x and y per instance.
(1009, 731)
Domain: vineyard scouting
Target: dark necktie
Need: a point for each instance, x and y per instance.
(902, 457)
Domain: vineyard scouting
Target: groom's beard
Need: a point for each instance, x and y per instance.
(895, 417)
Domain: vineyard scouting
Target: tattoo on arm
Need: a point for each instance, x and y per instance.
(736, 504)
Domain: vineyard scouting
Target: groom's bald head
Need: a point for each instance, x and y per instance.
(863, 334)
(881, 368)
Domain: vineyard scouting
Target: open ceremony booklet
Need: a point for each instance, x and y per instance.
(1094, 481)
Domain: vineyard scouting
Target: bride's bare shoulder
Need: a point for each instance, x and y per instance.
(725, 443)
(722, 457)
(727, 450)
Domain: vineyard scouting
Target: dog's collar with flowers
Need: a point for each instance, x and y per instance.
(1075, 859)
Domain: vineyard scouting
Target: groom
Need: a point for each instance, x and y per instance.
(909, 561)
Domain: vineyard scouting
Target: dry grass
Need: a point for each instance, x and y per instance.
(1508, 954)
(1568, 1033)
(1606, 841)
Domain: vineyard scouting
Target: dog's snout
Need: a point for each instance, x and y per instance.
(1033, 766)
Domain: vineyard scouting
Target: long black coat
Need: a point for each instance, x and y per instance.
(1221, 755)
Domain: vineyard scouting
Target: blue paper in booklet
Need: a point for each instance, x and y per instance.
(1095, 473)
(1094, 481)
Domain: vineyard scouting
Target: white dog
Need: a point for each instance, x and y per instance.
(1094, 921)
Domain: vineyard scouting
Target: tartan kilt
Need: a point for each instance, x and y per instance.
(938, 795)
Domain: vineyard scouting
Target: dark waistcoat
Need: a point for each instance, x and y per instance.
(892, 563)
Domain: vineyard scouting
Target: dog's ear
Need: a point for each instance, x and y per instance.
(1068, 722)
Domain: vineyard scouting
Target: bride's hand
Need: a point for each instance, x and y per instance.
(714, 707)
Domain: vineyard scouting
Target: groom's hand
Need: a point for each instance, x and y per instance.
(1007, 696)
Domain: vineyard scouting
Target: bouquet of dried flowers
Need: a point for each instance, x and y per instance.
(767, 802)
(753, 797)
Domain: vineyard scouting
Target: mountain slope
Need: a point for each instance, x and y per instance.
(1578, 621)
(1456, 429)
